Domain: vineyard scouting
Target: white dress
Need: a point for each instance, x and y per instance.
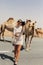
(18, 40)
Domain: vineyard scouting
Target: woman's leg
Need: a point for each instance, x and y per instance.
(17, 52)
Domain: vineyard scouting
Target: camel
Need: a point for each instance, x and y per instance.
(39, 32)
(29, 33)
(9, 22)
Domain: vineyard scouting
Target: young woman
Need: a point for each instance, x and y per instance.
(18, 41)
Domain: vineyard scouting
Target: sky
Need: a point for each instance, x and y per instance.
(22, 9)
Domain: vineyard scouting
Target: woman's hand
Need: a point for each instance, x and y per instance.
(17, 34)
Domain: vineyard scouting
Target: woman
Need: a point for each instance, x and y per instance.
(18, 41)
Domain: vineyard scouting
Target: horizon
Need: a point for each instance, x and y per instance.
(22, 9)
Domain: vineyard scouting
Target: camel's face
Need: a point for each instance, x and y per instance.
(28, 24)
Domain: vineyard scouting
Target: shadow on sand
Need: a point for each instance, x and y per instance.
(4, 56)
(5, 41)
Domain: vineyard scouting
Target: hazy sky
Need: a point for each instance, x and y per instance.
(22, 9)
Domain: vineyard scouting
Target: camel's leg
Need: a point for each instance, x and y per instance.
(3, 35)
(27, 43)
(31, 39)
